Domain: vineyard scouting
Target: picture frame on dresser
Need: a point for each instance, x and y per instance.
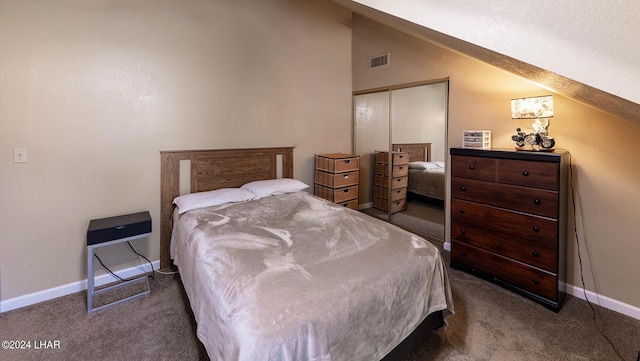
(509, 220)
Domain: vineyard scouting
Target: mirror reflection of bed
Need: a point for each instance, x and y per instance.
(425, 191)
(424, 212)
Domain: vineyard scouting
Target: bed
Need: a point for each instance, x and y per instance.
(290, 276)
(426, 177)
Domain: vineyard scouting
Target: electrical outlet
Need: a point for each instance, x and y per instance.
(20, 155)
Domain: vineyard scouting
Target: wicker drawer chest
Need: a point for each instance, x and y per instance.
(508, 219)
(337, 177)
(399, 181)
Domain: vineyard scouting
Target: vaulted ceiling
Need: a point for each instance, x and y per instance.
(604, 101)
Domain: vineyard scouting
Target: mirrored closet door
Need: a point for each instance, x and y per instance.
(405, 186)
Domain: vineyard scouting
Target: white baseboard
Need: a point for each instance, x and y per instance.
(604, 301)
(51, 293)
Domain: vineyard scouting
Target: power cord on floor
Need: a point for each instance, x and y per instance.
(575, 231)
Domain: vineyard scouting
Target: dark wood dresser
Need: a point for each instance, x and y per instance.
(508, 219)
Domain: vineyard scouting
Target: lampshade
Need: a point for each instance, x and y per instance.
(532, 108)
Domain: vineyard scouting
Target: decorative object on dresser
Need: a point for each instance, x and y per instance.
(538, 108)
(399, 181)
(477, 139)
(508, 220)
(336, 178)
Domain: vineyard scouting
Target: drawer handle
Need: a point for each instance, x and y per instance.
(346, 176)
(536, 201)
(463, 253)
(347, 161)
(462, 210)
(525, 173)
(398, 192)
(536, 229)
(536, 281)
(346, 191)
(472, 167)
(463, 231)
(463, 188)
(536, 254)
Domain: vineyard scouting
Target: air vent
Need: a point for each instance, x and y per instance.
(380, 60)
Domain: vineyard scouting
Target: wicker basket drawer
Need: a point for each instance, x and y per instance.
(399, 158)
(337, 195)
(337, 162)
(383, 192)
(338, 180)
(396, 206)
(353, 204)
(398, 170)
(400, 182)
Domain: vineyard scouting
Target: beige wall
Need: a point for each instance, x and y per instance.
(95, 89)
(605, 160)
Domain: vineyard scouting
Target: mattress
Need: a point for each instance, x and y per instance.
(296, 277)
(427, 182)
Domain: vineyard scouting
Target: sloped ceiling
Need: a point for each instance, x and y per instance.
(604, 101)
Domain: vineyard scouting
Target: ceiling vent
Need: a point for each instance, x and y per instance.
(378, 61)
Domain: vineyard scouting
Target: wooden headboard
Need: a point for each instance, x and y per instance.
(214, 169)
(418, 152)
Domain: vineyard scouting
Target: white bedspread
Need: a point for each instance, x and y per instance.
(295, 277)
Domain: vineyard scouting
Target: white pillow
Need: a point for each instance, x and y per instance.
(270, 187)
(423, 165)
(216, 197)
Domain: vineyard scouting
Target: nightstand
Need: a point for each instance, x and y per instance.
(108, 231)
(336, 178)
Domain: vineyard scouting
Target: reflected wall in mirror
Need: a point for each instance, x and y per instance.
(416, 122)
(371, 134)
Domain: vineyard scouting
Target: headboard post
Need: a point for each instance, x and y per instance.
(213, 169)
(169, 189)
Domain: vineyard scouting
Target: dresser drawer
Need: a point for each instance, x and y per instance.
(398, 170)
(538, 253)
(337, 195)
(396, 183)
(474, 167)
(353, 204)
(396, 206)
(383, 192)
(337, 163)
(399, 158)
(542, 202)
(528, 278)
(530, 227)
(527, 173)
(334, 180)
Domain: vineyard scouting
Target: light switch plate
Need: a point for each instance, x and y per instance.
(20, 155)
